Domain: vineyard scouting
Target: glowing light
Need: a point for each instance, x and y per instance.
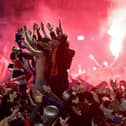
(117, 30)
(80, 37)
(116, 47)
(105, 63)
(91, 56)
(78, 73)
(94, 68)
(80, 70)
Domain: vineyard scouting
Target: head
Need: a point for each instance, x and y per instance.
(12, 95)
(13, 56)
(78, 88)
(100, 88)
(107, 104)
(77, 109)
(46, 88)
(37, 96)
(122, 84)
(88, 98)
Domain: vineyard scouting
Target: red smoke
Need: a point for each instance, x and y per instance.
(78, 18)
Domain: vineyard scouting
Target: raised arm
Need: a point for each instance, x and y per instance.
(27, 42)
(43, 30)
(36, 30)
(52, 33)
(60, 26)
(28, 36)
(30, 48)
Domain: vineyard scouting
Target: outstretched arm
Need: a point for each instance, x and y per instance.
(28, 40)
(30, 48)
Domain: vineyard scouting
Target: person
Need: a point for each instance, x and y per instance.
(40, 62)
(41, 55)
(39, 67)
(21, 70)
(19, 38)
(5, 107)
(42, 101)
(61, 52)
(5, 121)
(40, 88)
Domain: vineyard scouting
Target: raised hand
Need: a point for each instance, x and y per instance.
(26, 28)
(36, 27)
(42, 26)
(49, 26)
(60, 26)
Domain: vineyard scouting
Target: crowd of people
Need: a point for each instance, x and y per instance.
(38, 92)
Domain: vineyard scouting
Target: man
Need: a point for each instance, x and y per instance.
(21, 70)
(60, 60)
